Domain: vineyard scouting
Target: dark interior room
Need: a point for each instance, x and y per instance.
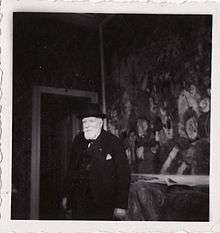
(151, 75)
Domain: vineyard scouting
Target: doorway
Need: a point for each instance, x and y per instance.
(59, 125)
(54, 125)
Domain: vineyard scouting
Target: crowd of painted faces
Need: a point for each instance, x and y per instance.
(154, 148)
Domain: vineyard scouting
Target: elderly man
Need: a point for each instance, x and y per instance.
(97, 183)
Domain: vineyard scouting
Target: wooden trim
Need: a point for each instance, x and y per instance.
(35, 142)
(35, 154)
(68, 92)
(102, 61)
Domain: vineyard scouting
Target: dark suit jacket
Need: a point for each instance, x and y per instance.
(109, 173)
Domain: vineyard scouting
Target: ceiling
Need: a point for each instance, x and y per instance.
(89, 21)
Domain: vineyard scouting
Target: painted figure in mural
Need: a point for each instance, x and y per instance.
(144, 153)
(198, 155)
(193, 131)
(175, 154)
(97, 183)
(163, 126)
(204, 118)
(196, 158)
(149, 164)
(171, 156)
(188, 98)
(190, 121)
(131, 150)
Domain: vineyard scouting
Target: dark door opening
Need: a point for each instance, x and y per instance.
(59, 125)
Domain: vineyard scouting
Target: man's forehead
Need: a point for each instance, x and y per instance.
(91, 119)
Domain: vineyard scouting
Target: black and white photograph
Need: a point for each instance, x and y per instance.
(111, 116)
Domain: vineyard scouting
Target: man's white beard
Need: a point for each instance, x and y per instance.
(91, 134)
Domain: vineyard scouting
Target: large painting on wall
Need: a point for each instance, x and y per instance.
(158, 79)
(159, 69)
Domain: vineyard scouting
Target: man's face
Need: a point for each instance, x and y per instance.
(91, 127)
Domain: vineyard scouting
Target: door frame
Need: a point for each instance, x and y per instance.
(35, 138)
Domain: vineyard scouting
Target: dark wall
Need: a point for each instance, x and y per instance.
(47, 51)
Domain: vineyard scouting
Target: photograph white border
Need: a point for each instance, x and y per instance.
(7, 8)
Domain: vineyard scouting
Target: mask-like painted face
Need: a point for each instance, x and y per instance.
(191, 127)
(204, 105)
(132, 137)
(142, 126)
(192, 90)
(92, 127)
(189, 155)
(145, 125)
(154, 149)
